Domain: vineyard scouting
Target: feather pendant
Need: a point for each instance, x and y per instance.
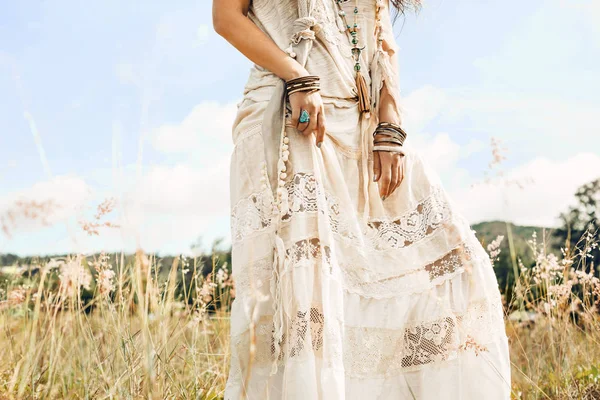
(364, 103)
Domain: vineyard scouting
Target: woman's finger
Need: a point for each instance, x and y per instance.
(321, 127)
(398, 168)
(386, 175)
(312, 122)
(295, 116)
(400, 172)
(394, 177)
(376, 166)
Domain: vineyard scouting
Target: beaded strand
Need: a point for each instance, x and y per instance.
(352, 31)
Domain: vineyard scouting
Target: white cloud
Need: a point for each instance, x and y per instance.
(546, 140)
(184, 189)
(422, 106)
(207, 127)
(171, 205)
(549, 187)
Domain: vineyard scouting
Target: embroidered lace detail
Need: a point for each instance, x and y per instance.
(255, 214)
(305, 195)
(450, 263)
(251, 215)
(307, 322)
(308, 250)
(374, 351)
(253, 278)
(328, 21)
(379, 352)
(304, 333)
(412, 226)
(462, 258)
(458, 260)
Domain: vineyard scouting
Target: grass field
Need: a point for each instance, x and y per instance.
(105, 328)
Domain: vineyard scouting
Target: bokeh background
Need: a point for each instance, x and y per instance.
(115, 144)
(134, 101)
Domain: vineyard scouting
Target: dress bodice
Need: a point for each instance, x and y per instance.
(331, 55)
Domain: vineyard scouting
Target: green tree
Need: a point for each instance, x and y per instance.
(583, 217)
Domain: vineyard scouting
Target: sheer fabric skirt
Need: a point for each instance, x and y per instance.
(404, 304)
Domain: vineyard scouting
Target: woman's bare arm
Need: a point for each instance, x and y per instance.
(388, 168)
(230, 20)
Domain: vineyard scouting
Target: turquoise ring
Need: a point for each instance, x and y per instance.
(304, 117)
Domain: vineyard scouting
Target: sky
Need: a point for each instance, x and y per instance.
(134, 101)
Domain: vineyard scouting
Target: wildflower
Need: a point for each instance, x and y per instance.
(17, 296)
(522, 267)
(27, 209)
(105, 281)
(221, 276)
(92, 227)
(73, 276)
(494, 248)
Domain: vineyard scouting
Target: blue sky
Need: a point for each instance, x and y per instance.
(134, 100)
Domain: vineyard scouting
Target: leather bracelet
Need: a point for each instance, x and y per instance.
(389, 132)
(394, 133)
(303, 83)
(308, 88)
(391, 149)
(387, 126)
(388, 140)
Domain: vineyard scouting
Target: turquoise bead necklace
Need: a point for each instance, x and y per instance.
(352, 32)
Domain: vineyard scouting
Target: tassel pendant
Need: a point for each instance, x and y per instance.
(364, 103)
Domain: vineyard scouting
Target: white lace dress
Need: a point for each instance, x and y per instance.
(340, 295)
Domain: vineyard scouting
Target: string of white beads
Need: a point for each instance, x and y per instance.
(284, 154)
(264, 175)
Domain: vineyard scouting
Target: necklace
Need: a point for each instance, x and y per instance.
(352, 33)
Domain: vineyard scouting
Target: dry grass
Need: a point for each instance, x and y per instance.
(139, 336)
(92, 328)
(555, 345)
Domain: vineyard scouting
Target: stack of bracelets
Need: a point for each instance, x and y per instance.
(308, 83)
(393, 139)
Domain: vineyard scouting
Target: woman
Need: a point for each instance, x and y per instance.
(355, 277)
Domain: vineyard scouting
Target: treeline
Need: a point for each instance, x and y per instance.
(579, 226)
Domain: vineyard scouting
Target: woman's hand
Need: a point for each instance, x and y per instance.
(388, 171)
(388, 167)
(313, 104)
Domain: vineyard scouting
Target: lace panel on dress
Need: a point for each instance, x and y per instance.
(251, 215)
(456, 261)
(409, 228)
(256, 275)
(305, 195)
(370, 352)
(450, 263)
